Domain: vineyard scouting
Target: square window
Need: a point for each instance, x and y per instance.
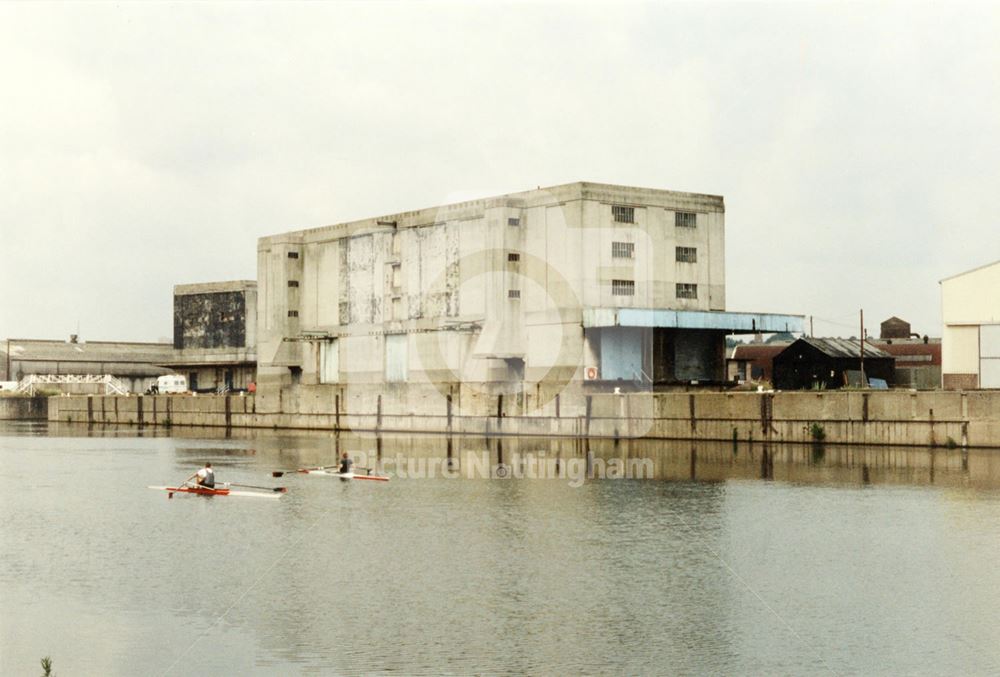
(623, 250)
(513, 257)
(293, 255)
(293, 283)
(687, 254)
(293, 313)
(687, 291)
(513, 293)
(623, 214)
(622, 287)
(685, 219)
(513, 221)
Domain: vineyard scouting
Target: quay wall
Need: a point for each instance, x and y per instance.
(23, 408)
(919, 418)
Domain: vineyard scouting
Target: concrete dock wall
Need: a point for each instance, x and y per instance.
(23, 408)
(936, 418)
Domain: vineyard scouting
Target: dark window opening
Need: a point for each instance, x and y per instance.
(622, 250)
(685, 219)
(293, 283)
(623, 214)
(622, 287)
(293, 255)
(687, 254)
(687, 291)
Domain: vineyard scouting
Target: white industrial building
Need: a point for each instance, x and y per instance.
(576, 286)
(970, 312)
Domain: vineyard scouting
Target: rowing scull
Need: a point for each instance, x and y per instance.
(221, 491)
(342, 475)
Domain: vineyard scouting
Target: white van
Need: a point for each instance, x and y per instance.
(172, 383)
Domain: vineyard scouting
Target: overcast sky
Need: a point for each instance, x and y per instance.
(142, 146)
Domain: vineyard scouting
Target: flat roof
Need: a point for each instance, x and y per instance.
(540, 196)
(214, 287)
(737, 323)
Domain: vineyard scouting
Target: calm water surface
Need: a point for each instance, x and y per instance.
(728, 561)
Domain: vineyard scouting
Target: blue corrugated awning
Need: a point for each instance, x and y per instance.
(692, 319)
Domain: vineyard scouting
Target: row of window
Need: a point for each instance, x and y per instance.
(623, 214)
(626, 250)
(684, 290)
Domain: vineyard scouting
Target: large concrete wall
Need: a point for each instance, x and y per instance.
(23, 408)
(895, 418)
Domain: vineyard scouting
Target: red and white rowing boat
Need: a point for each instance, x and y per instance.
(224, 490)
(343, 476)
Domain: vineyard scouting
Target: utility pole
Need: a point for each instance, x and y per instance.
(811, 334)
(862, 347)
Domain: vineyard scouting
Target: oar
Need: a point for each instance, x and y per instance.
(254, 486)
(170, 494)
(282, 473)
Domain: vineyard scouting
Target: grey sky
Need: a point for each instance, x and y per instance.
(143, 146)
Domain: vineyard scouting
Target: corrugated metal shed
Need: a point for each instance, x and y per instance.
(843, 348)
(42, 350)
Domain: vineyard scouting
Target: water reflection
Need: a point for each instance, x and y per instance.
(816, 463)
(741, 558)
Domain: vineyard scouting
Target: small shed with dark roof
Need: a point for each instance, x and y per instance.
(894, 328)
(811, 363)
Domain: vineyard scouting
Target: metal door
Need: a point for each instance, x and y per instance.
(989, 356)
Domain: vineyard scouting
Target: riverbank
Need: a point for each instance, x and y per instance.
(909, 418)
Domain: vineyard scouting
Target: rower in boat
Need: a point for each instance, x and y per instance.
(345, 464)
(205, 477)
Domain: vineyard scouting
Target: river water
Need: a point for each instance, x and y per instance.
(718, 560)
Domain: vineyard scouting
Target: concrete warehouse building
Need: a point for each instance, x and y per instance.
(970, 312)
(215, 335)
(534, 294)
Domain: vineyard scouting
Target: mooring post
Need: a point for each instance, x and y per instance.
(449, 412)
(378, 414)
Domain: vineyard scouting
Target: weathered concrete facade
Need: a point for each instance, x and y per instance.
(522, 293)
(938, 418)
(215, 334)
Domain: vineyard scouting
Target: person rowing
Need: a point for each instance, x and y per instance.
(205, 477)
(345, 464)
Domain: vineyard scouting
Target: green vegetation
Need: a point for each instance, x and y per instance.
(818, 452)
(817, 432)
(47, 667)
(951, 443)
